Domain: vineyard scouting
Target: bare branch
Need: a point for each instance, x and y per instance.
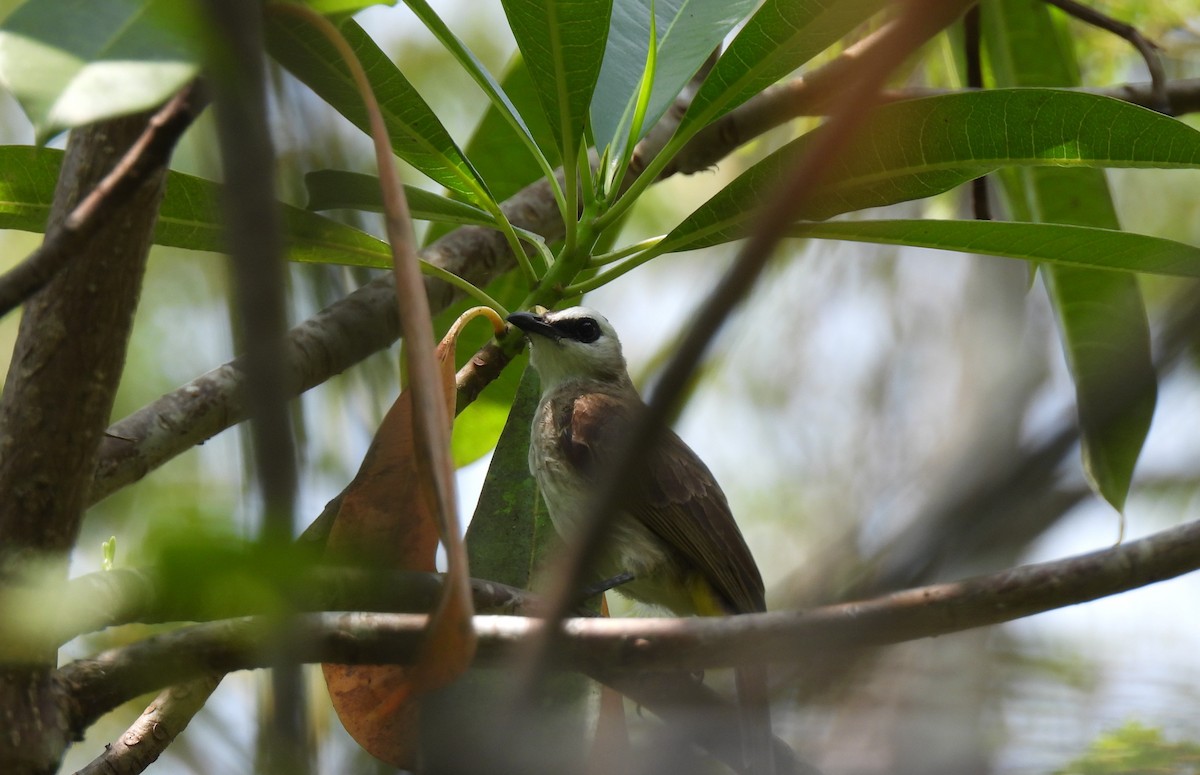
(127, 596)
(1158, 78)
(101, 683)
(157, 727)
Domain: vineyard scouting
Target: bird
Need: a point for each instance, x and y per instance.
(675, 534)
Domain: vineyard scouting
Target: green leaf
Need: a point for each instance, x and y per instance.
(511, 529)
(493, 147)
(337, 7)
(926, 146)
(190, 216)
(778, 38)
(503, 107)
(417, 135)
(1101, 316)
(71, 63)
(562, 42)
(333, 189)
(688, 32)
(1052, 243)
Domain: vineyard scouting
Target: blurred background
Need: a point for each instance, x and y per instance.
(858, 389)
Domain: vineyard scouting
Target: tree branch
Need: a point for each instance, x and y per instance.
(1160, 101)
(144, 158)
(157, 727)
(100, 683)
(131, 596)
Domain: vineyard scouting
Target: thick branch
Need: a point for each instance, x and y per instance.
(105, 681)
(66, 364)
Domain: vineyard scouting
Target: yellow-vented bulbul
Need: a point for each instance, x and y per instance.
(676, 534)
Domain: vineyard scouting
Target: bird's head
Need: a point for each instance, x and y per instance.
(572, 344)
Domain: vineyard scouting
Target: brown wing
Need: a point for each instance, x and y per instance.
(678, 499)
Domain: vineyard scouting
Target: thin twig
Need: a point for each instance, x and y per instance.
(149, 154)
(980, 205)
(1145, 47)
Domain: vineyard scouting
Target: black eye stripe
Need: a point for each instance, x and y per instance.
(585, 330)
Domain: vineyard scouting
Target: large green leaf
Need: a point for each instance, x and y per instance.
(190, 216)
(688, 32)
(1101, 316)
(333, 189)
(417, 135)
(926, 146)
(562, 42)
(510, 531)
(1073, 246)
(778, 38)
(494, 148)
(71, 63)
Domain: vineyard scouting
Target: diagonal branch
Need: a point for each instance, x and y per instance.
(158, 726)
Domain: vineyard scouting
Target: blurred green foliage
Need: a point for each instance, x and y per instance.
(1135, 748)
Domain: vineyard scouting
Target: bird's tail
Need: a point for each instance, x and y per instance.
(758, 742)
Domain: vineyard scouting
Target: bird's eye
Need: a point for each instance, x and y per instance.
(587, 330)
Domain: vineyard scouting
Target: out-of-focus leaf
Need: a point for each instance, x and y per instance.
(70, 63)
(511, 530)
(333, 189)
(417, 135)
(190, 216)
(687, 30)
(926, 146)
(1101, 316)
(1077, 246)
(562, 42)
(777, 39)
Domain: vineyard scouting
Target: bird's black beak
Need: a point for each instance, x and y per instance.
(533, 324)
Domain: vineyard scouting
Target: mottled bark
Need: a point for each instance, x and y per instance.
(57, 400)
